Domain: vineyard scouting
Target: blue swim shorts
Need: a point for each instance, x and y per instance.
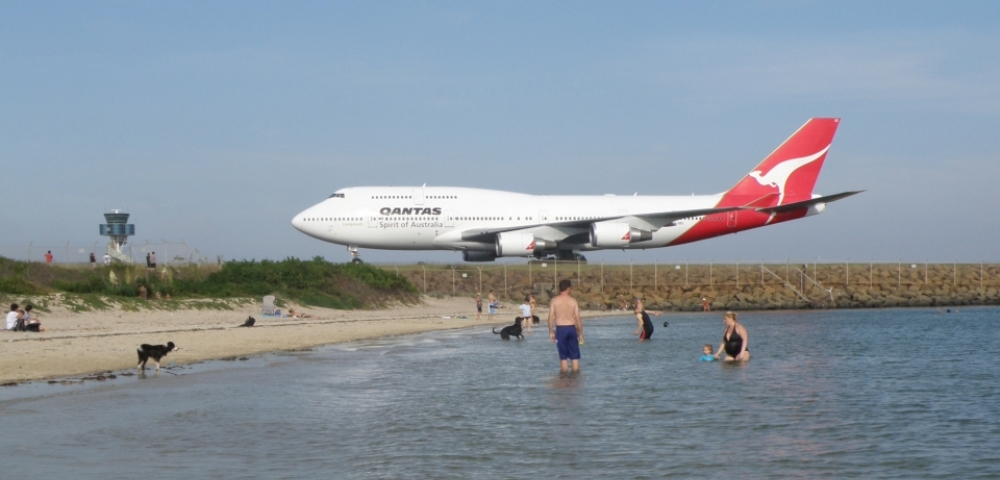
(567, 342)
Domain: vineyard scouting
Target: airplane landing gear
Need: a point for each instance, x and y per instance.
(355, 256)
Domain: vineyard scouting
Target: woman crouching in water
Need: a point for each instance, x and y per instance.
(735, 340)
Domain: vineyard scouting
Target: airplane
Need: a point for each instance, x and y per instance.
(488, 224)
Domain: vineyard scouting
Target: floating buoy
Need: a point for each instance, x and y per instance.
(666, 324)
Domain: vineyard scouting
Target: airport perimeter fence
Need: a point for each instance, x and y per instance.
(167, 252)
(810, 281)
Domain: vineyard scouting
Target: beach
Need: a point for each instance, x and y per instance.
(82, 343)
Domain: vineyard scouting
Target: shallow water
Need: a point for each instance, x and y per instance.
(869, 394)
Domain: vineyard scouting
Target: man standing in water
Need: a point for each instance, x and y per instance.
(565, 326)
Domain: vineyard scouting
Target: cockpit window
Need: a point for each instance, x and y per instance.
(337, 195)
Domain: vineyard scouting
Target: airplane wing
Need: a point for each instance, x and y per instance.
(788, 207)
(650, 221)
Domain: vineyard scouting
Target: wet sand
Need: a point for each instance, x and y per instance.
(97, 341)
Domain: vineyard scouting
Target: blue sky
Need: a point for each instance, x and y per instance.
(216, 122)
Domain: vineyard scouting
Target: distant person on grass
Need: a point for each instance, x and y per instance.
(48, 257)
(479, 306)
(566, 327)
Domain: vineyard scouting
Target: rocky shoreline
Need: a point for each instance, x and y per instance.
(731, 287)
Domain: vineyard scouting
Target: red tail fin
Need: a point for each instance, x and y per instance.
(791, 170)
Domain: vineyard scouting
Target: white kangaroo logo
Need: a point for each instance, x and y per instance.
(779, 174)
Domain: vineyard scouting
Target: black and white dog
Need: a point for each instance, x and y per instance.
(510, 330)
(156, 352)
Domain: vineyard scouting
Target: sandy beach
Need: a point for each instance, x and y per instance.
(90, 342)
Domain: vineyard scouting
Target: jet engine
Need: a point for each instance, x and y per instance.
(616, 234)
(519, 244)
(478, 256)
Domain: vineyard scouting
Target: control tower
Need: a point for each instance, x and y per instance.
(118, 232)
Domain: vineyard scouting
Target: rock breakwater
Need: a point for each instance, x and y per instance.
(680, 287)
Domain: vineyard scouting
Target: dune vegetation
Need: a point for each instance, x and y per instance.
(315, 282)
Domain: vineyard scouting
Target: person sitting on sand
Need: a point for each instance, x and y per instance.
(292, 313)
(31, 323)
(735, 340)
(13, 316)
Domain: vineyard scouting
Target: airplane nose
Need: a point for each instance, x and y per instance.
(299, 222)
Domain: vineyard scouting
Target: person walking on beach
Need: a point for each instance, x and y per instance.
(148, 265)
(492, 305)
(152, 261)
(479, 306)
(735, 340)
(526, 313)
(93, 261)
(566, 327)
(48, 257)
(705, 306)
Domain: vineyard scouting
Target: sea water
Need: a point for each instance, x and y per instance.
(828, 394)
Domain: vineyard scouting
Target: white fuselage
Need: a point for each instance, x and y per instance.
(434, 218)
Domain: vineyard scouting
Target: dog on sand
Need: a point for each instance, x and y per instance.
(510, 330)
(154, 352)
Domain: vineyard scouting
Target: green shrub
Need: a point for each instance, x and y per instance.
(19, 286)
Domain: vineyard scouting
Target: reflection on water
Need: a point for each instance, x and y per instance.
(895, 393)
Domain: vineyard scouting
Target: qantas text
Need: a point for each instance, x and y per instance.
(410, 211)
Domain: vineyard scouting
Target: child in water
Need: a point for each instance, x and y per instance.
(707, 354)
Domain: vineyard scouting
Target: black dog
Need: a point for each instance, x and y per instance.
(156, 352)
(249, 323)
(510, 330)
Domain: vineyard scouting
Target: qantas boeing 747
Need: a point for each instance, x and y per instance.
(487, 224)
